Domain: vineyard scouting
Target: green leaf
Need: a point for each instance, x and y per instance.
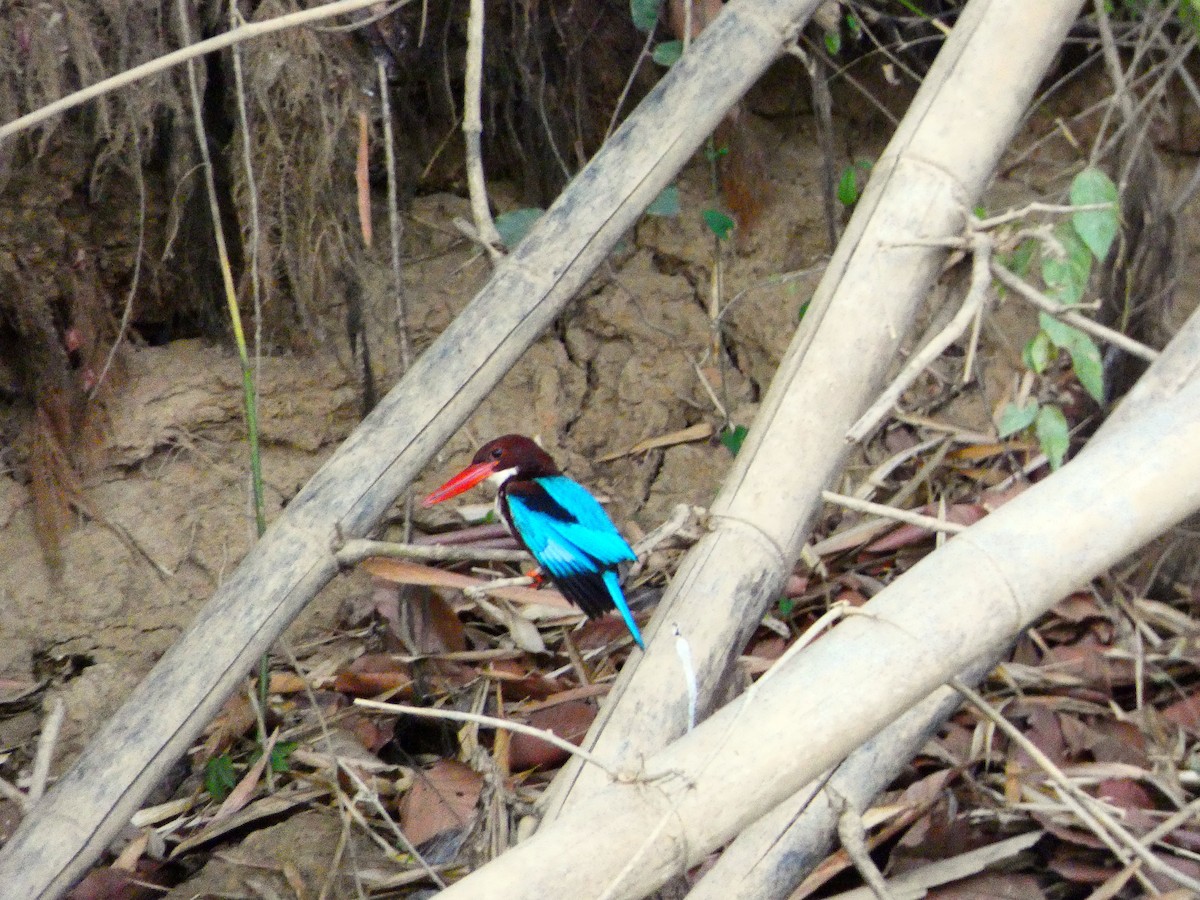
(280, 753)
(1018, 261)
(718, 223)
(1085, 355)
(1088, 366)
(667, 53)
(786, 606)
(733, 438)
(219, 777)
(513, 226)
(854, 26)
(1067, 277)
(850, 187)
(1038, 353)
(1096, 227)
(666, 204)
(847, 189)
(1059, 333)
(833, 42)
(644, 13)
(1053, 434)
(1017, 418)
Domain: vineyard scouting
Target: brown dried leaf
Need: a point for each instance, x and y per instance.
(422, 621)
(267, 807)
(1185, 713)
(1074, 867)
(569, 721)
(1078, 607)
(990, 886)
(405, 572)
(520, 682)
(373, 674)
(286, 683)
(1125, 793)
(1068, 833)
(117, 884)
(235, 719)
(443, 797)
(907, 535)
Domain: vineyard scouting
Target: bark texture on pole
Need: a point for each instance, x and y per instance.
(969, 598)
(923, 186)
(77, 819)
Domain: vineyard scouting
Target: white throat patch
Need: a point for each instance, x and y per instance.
(498, 478)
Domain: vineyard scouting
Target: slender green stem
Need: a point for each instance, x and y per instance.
(249, 399)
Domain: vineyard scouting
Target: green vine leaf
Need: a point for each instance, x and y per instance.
(1017, 418)
(513, 226)
(1038, 353)
(667, 53)
(1066, 277)
(666, 204)
(1085, 355)
(644, 14)
(733, 438)
(219, 777)
(1053, 434)
(1097, 228)
(718, 223)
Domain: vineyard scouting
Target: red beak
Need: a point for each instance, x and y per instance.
(463, 481)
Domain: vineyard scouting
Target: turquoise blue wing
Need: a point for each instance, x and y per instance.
(574, 541)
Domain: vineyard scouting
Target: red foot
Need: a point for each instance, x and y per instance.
(538, 577)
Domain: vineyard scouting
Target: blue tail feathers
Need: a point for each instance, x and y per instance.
(618, 598)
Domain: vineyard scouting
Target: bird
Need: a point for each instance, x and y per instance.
(562, 526)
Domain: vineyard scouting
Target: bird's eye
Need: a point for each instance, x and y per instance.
(497, 453)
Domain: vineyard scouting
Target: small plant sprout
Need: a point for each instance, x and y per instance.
(1066, 260)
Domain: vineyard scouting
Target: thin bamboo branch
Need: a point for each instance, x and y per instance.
(1028, 292)
(395, 223)
(890, 512)
(47, 743)
(455, 715)
(981, 280)
(485, 228)
(356, 551)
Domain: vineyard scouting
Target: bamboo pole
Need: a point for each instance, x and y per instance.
(769, 858)
(967, 599)
(81, 814)
(924, 186)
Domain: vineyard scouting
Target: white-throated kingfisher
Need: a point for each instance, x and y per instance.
(557, 520)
